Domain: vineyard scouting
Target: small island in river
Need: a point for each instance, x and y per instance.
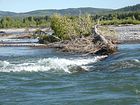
(103, 40)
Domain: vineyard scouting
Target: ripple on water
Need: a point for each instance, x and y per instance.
(113, 81)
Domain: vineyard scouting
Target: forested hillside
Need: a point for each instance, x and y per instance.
(49, 12)
(130, 8)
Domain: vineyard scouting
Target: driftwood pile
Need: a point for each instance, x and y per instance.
(93, 44)
(78, 45)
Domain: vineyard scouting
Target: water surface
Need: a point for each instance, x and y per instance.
(49, 77)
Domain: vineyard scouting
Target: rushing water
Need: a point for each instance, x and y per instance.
(47, 77)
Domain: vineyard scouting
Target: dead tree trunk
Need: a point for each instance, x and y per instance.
(106, 46)
(98, 37)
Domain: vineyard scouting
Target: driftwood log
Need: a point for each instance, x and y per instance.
(106, 46)
(98, 37)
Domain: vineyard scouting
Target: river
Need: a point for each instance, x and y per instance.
(49, 77)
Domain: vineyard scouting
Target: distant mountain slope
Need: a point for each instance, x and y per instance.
(7, 13)
(130, 8)
(70, 11)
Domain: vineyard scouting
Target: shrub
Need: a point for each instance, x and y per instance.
(83, 25)
(62, 27)
(67, 28)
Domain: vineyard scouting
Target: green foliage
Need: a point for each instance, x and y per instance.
(9, 22)
(119, 18)
(62, 26)
(83, 25)
(67, 27)
(6, 22)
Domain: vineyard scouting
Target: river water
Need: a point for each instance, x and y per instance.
(49, 77)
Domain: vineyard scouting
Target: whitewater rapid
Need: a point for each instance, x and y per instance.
(50, 64)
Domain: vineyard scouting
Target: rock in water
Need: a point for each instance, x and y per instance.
(76, 69)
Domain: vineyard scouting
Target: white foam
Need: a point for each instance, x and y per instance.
(4, 63)
(47, 64)
(136, 60)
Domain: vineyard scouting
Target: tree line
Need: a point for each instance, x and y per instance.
(118, 18)
(113, 18)
(12, 22)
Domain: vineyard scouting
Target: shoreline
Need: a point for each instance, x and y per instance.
(123, 33)
(93, 44)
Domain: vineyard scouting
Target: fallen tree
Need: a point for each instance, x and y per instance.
(106, 46)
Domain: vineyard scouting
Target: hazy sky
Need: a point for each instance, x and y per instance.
(29, 5)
